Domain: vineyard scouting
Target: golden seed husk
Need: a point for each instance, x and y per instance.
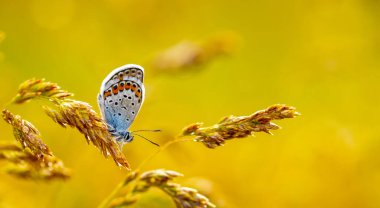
(23, 163)
(183, 197)
(240, 126)
(81, 116)
(35, 88)
(76, 114)
(26, 134)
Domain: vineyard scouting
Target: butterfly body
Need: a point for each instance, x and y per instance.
(120, 98)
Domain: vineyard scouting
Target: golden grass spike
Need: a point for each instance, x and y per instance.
(73, 113)
(34, 88)
(187, 55)
(158, 177)
(240, 126)
(131, 177)
(34, 160)
(81, 116)
(183, 197)
(25, 164)
(26, 134)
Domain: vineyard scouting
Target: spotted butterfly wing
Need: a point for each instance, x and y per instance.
(120, 98)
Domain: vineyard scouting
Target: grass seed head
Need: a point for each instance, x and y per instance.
(240, 126)
(188, 55)
(24, 163)
(183, 197)
(81, 116)
(33, 160)
(34, 88)
(26, 134)
(77, 114)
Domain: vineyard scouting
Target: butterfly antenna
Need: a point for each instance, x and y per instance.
(148, 140)
(153, 130)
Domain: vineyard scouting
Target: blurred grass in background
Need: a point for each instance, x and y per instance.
(319, 56)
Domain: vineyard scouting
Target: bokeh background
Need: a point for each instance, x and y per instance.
(319, 56)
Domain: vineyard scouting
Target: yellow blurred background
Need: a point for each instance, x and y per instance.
(320, 56)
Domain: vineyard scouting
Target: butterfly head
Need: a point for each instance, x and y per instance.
(127, 137)
(123, 137)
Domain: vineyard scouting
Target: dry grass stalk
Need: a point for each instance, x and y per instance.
(25, 164)
(81, 116)
(26, 134)
(183, 197)
(73, 113)
(35, 88)
(241, 126)
(187, 54)
(33, 160)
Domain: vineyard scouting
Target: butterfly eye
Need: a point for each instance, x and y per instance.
(129, 138)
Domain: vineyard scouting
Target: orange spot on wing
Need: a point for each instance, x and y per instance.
(115, 89)
(127, 86)
(133, 88)
(106, 94)
(138, 92)
(121, 86)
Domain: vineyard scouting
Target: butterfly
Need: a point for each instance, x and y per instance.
(120, 98)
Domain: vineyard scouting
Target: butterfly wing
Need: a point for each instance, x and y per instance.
(121, 96)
